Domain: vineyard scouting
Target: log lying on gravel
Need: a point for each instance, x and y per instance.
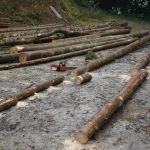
(29, 91)
(26, 56)
(63, 56)
(110, 57)
(141, 65)
(7, 58)
(73, 41)
(83, 79)
(97, 121)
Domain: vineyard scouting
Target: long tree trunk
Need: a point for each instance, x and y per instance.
(110, 57)
(97, 121)
(29, 91)
(26, 56)
(63, 56)
(73, 41)
(7, 58)
(141, 65)
(31, 28)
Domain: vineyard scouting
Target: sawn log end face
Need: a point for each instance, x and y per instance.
(81, 137)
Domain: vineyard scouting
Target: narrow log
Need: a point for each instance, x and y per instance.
(26, 56)
(48, 26)
(83, 79)
(110, 57)
(141, 65)
(7, 58)
(29, 91)
(97, 121)
(63, 56)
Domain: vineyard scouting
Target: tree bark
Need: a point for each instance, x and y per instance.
(110, 57)
(83, 79)
(26, 56)
(7, 58)
(141, 65)
(63, 56)
(29, 91)
(97, 121)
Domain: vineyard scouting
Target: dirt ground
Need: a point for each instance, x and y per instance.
(49, 119)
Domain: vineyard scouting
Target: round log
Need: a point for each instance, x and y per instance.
(83, 79)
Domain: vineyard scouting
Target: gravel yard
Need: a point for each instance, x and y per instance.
(49, 119)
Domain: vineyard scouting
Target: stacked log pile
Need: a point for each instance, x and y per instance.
(74, 42)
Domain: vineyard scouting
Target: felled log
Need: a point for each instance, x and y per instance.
(63, 56)
(26, 56)
(29, 91)
(110, 57)
(141, 65)
(31, 28)
(83, 79)
(97, 121)
(6, 58)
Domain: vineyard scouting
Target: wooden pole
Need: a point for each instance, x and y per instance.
(110, 57)
(141, 65)
(83, 79)
(29, 91)
(97, 121)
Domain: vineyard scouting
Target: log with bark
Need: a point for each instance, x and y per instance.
(140, 65)
(110, 57)
(7, 58)
(58, 57)
(48, 26)
(83, 79)
(73, 41)
(26, 56)
(97, 121)
(29, 91)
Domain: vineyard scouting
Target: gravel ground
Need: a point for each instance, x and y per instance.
(49, 119)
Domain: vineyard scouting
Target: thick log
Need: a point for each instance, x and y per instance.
(63, 56)
(110, 57)
(4, 25)
(83, 79)
(29, 91)
(26, 56)
(7, 58)
(141, 65)
(97, 121)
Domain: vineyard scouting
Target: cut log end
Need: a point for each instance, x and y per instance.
(134, 71)
(23, 57)
(81, 137)
(16, 49)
